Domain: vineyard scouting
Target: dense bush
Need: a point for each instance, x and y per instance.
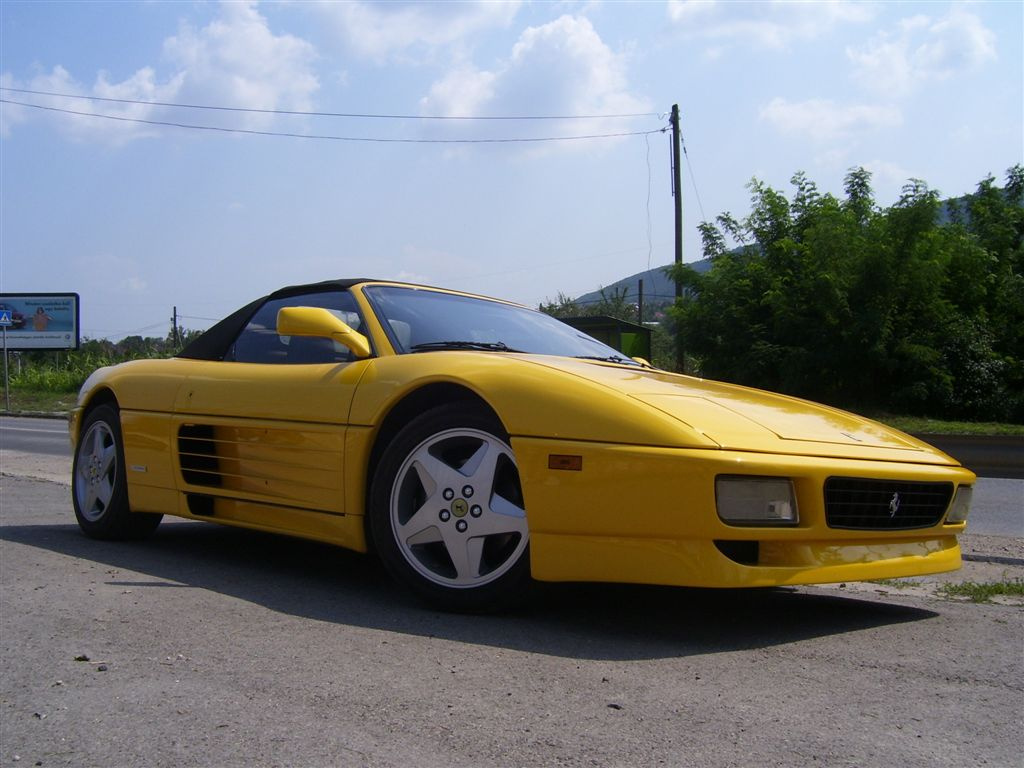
(916, 308)
(66, 371)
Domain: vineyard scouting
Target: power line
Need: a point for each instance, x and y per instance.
(196, 317)
(650, 241)
(371, 139)
(125, 334)
(693, 179)
(354, 115)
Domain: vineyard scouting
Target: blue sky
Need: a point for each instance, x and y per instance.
(138, 218)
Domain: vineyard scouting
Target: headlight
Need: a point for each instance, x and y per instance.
(756, 500)
(961, 505)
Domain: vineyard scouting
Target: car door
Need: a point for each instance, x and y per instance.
(260, 435)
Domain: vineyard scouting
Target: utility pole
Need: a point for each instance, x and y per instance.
(7, 380)
(174, 328)
(677, 192)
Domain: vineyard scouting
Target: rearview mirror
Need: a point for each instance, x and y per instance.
(321, 323)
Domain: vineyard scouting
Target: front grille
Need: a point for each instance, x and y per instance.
(859, 504)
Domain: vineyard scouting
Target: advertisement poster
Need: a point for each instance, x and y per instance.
(40, 320)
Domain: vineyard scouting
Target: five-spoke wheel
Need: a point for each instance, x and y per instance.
(98, 487)
(448, 516)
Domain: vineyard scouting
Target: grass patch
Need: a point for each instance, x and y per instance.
(897, 583)
(920, 425)
(28, 401)
(983, 593)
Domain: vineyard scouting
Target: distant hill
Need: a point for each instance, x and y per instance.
(658, 289)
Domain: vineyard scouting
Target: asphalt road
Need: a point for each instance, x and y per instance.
(45, 436)
(211, 646)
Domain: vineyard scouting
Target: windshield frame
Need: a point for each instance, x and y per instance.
(415, 315)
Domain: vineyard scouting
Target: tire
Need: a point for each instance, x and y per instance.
(99, 489)
(447, 514)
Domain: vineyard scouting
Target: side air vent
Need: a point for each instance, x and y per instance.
(197, 452)
(202, 506)
(301, 466)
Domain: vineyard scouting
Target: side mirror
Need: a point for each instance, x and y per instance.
(321, 323)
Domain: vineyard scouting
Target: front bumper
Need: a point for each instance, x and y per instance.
(648, 515)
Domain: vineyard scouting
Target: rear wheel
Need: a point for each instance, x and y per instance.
(447, 512)
(98, 486)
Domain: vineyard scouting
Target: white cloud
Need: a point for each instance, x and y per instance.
(685, 11)
(93, 273)
(380, 30)
(463, 91)
(560, 68)
(957, 43)
(823, 120)
(922, 50)
(234, 61)
(237, 60)
(133, 285)
(10, 114)
(766, 25)
(888, 175)
(73, 117)
(404, 276)
(424, 264)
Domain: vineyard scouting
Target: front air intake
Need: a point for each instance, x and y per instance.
(858, 504)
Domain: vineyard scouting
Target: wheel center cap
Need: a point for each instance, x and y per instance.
(460, 507)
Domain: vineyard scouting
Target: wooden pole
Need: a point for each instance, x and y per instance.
(677, 192)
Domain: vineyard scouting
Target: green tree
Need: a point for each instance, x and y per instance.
(563, 306)
(905, 308)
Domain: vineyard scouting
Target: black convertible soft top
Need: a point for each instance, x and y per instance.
(214, 343)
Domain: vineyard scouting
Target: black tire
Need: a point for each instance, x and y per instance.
(99, 489)
(447, 514)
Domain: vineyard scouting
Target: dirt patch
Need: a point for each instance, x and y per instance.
(986, 560)
(37, 466)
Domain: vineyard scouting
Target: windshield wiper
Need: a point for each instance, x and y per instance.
(608, 359)
(485, 346)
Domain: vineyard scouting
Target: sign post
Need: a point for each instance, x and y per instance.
(6, 319)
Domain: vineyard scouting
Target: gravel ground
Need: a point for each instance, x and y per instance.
(212, 647)
(986, 559)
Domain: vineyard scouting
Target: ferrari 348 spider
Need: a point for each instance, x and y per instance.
(475, 444)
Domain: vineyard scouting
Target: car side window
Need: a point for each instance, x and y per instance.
(259, 342)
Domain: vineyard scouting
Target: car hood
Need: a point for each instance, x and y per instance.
(742, 418)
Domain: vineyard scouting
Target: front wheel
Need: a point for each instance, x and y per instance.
(99, 489)
(447, 512)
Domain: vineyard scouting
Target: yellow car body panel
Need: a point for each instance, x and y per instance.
(632, 511)
(290, 449)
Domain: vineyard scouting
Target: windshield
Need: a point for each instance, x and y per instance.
(421, 320)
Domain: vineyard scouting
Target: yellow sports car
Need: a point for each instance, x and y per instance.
(474, 444)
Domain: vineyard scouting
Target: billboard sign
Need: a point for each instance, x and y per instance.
(39, 320)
